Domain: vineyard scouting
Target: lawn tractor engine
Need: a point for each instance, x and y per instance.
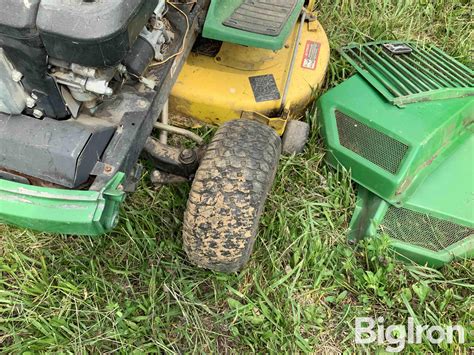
(63, 65)
(58, 57)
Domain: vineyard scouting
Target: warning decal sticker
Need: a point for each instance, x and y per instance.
(311, 55)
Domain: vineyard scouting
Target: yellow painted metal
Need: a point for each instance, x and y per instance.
(277, 123)
(311, 5)
(217, 89)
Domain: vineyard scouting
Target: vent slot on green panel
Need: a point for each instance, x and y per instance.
(423, 230)
(376, 147)
(418, 73)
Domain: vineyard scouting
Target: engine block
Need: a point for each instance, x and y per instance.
(66, 52)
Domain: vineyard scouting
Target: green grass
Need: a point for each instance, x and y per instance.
(134, 290)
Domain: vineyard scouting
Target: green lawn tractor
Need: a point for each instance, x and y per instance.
(83, 83)
(403, 125)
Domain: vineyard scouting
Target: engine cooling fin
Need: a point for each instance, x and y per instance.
(405, 73)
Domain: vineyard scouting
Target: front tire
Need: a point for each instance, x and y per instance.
(228, 195)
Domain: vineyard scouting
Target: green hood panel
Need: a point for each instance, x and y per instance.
(448, 192)
(389, 150)
(436, 224)
(405, 73)
(415, 166)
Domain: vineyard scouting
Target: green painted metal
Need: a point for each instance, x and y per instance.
(445, 201)
(59, 210)
(368, 221)
(425, 74)
(448, 191)
(379, 136)
(368, 214)
(415, 165)
(220, 10)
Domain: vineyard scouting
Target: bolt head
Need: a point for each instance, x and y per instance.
(16, 76)
(187, 156)
(108, 169)
(187, 153)
(30, 102)
(38, 113)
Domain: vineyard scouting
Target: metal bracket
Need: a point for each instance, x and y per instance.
(171, 160)
(277, 123)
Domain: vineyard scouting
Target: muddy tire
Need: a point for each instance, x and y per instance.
(228, 195)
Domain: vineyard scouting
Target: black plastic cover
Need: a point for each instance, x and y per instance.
(97, 33)
(23, 46)
(60, 152)
(18, 18)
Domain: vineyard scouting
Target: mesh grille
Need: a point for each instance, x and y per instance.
(422, 230)
(376, 147)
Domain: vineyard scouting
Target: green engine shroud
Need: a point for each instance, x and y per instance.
(436, 223)
(390, 150)
(415, 166)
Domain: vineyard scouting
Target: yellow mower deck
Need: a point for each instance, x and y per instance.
(240, 80)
